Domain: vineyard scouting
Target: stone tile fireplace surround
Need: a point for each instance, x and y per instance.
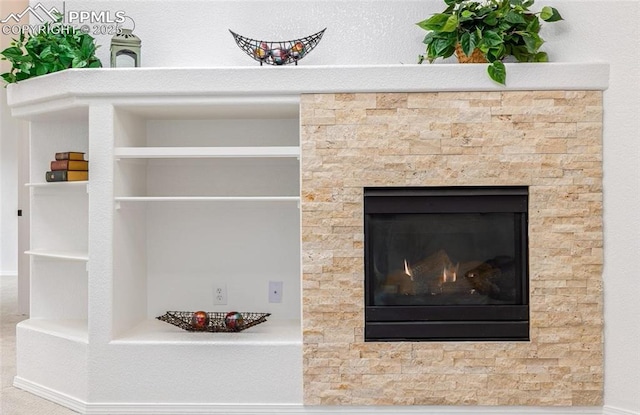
(549, 141)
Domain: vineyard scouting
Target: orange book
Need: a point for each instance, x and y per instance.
(69, 165)
(70, 155)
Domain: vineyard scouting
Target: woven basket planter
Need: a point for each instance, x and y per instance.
(476, 56)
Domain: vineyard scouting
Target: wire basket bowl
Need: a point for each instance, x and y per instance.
(278, 52)
(216, 321)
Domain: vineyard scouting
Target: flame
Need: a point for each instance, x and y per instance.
(407, 270)
(450, 273)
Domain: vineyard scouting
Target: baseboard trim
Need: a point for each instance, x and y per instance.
(50, 394)
(192, 409)
(294, 409)
(612, 410)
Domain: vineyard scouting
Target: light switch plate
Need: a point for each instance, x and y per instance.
(275, 291)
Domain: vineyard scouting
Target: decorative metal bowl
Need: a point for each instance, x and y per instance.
(216, 321)
(278, 52)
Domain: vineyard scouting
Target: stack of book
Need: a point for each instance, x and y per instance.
(68, 167)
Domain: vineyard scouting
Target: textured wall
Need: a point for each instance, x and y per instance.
(550, 141)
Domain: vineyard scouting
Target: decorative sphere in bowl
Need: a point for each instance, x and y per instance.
(233, 320)
(200, 320)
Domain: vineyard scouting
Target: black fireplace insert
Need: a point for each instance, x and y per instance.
(446, 263)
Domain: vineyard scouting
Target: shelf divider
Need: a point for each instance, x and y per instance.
(207, 199)
(206, 152)
(73, 185)
(73, 330)
(284, 333)
(62, 255)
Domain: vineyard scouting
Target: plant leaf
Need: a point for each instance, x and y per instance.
(88, 45)
(466, 15)
(429, 38)
(25, 67)
(514, 17)
(491, 39)
(532, 41)
(468, 43)
(451, 24)
(520, 53)
(435, 22)
(550, 14)
(12, 52)
(497, 72)
(443, 47)
(46, 54)
(534, 25)
(491, 19)
(496, 53)
(21, 76)
(9, 77)
(541, 57)
(40, 70)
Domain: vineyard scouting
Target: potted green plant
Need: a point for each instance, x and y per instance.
(54, 47)
(487, 31)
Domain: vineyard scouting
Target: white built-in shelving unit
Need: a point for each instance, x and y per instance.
(184, 194)
(194, 182)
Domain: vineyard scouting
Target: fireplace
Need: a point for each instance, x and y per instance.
(550, 143)
(446, 263)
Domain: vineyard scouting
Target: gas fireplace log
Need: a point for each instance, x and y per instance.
(400, 283)
(436, 271)
(423, 277)
(428, 273)
(493, 278)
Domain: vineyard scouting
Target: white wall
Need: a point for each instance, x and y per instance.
(9, 131)
(622, 207)
(195, 33)
(9, 136)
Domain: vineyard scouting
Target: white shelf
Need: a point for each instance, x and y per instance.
(62, 255)
(206, 152)
(207, 199)
(70, 329)
(269, 333)
(75, 185)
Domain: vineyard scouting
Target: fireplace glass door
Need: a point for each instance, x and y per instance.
(446, 263)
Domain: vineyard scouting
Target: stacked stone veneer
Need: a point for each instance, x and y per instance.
(547, 140)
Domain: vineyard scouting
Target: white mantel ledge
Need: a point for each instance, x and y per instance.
(73, 87)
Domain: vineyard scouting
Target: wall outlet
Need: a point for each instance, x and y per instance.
(220, 294)
(275, 291)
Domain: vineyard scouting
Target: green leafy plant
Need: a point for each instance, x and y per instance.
(490, 29)
(54, 47)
